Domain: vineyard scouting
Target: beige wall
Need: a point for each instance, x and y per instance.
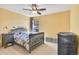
(54, 23)
(75, 20)
(50, 24)
(10, 19)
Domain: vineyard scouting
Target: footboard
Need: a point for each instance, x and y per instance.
(35, 40)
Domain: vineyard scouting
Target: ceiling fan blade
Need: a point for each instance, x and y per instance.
(34, 5)
(42, 9)
(38, 12)
(27, 9)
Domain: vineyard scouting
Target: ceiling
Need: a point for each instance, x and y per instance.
(50, 8)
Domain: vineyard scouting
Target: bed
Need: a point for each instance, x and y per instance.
(27, 40)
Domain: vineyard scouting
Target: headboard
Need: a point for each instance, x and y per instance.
(18, 30)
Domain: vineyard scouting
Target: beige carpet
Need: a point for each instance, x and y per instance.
(44, 49)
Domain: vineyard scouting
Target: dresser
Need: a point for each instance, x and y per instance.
(0, 40)
(67, 43)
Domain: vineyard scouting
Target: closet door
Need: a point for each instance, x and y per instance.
(34, 25)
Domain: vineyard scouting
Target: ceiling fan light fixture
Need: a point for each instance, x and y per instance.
(34, 12)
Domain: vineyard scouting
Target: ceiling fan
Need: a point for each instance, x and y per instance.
(35, 9)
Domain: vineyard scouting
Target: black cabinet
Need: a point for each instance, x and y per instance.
(67, 43)
(7, 39)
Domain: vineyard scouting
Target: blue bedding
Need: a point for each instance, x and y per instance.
(22, 38)
(21, 35)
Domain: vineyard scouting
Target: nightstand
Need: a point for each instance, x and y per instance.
(7, 40)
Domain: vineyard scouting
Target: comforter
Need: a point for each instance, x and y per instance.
(22, 38)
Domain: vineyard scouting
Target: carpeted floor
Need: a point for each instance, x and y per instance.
(44, 49)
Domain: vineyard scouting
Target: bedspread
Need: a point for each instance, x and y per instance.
(22, 38)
